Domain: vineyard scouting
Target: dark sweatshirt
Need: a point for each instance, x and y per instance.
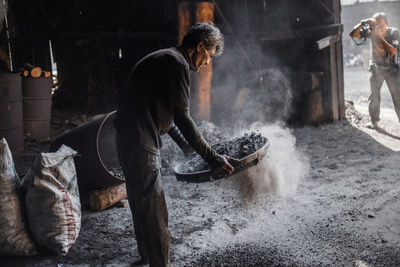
(157, 94)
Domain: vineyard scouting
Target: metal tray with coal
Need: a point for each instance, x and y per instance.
(249, 149)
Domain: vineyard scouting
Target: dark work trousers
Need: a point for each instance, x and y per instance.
(377, 78)
(142, 171)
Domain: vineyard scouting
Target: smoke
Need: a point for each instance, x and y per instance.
(259, 98)
(280, 171)
(246, 91)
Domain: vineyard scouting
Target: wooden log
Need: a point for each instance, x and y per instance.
(46, 74)
(25, 73)
(35, 72)
(103, 199)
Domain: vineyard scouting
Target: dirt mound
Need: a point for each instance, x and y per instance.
(353, 116)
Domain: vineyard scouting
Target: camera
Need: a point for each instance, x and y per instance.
(369, 26)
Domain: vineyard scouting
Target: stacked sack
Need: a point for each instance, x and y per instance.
(14, 239)
(52, 206)
(52, 201)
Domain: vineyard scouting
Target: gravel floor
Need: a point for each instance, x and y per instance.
(324, 196)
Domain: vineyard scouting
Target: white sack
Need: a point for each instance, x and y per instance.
(14, 239)
(52, 201)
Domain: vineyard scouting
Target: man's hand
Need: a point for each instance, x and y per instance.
(370, 21)
(222, 165)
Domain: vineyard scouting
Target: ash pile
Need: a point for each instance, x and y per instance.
(171, 154)
(353, 116)
(353, 60)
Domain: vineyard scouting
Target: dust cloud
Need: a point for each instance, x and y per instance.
(282, 168)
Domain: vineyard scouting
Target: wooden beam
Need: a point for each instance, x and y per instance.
(202, 80)
(333, 90)
(327, 41)
(340, 79)
(304, 33)
(337, 9)
(184, 19)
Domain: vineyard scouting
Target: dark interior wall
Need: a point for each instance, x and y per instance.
(270, 52)
(29, 29)
(95, 43)
(270, 47)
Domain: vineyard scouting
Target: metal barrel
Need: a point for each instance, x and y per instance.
(11, 125)
(97, 152)
(37, 107)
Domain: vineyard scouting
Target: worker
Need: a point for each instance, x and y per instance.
(384, 61)
(154, 102)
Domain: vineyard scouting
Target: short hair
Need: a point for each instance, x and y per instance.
(380, 15)
(206, 32)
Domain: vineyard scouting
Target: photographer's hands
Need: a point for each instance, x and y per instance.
(355, 33)
(370, 21)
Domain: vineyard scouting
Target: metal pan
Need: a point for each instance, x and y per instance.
(207, 175)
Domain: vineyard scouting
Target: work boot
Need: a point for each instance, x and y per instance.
(141, 263)
(373, 125)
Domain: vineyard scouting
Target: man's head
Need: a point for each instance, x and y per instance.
(202, 42)
(381, 22)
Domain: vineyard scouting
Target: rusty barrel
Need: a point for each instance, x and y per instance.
(97, 152)
(11, 125)
(37, 107)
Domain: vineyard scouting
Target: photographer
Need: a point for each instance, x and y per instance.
(384, 61)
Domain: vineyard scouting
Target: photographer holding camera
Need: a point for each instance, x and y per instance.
(384, 61)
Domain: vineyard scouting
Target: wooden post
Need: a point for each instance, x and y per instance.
(334, 108)
(202, 80)
(184, 18)
(334, 83)
(337, 9)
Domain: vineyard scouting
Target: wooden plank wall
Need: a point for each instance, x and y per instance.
(95, 43)
(334, 108)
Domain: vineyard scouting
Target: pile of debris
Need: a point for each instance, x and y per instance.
(353, 116)
(237, 148)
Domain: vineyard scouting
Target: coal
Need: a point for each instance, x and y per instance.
(117, 172)
(237, 148)
(171, 154)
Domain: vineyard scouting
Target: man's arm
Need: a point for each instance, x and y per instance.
(355, 33)
(377, 37)
(177, 136)
(219, 163)
(192, 134)
(388, 47)
(178, 84)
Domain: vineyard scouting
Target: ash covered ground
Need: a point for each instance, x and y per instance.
(327, 195)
